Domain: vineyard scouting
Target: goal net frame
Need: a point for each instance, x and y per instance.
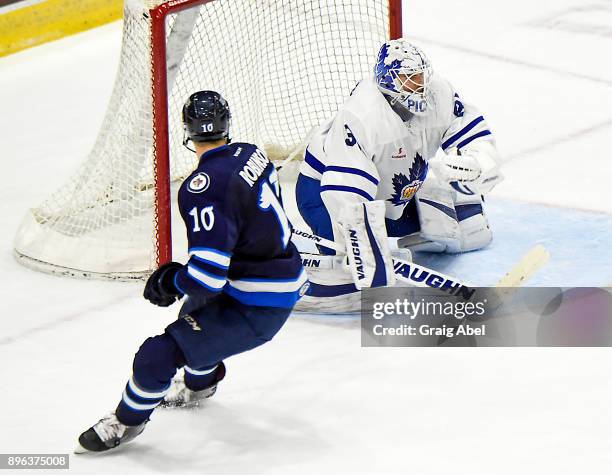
(161, 76)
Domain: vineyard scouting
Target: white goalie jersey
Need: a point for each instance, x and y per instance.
(371, 150)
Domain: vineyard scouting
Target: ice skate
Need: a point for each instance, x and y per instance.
(181, 396)
(107, 434)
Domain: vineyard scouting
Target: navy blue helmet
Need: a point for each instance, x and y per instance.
(206, 117)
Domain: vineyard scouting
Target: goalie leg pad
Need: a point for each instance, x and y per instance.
(475, 230)
(331, 286)
(363, 228)
(437, 216)
(453, 222)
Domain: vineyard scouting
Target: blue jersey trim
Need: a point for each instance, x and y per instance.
(311, 208)
(207, 273)
(314, 162)
(206, 286)
(280, 281)
(348, 189)
(320, 290)
(462, 132)
(484, 133)
(210, 263)
(264, 299)
(354, 171)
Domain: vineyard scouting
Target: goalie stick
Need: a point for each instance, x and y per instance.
(421, 276)
(414, 274)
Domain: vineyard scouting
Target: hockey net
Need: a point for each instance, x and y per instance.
(284, 67)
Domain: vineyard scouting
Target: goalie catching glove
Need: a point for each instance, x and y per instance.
(160, 289)
(476, 168)
(363, 228)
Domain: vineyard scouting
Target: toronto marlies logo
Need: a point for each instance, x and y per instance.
(404, 187)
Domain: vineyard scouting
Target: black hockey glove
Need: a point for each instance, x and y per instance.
(160, 289)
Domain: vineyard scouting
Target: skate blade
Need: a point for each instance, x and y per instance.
(79, 449)
(183, 405)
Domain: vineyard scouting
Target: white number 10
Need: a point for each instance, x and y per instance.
(206, 216)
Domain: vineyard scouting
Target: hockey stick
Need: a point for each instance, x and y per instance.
(531, 262)
(414, 274)
(421, 276)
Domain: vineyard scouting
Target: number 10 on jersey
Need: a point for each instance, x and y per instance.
(206, 217)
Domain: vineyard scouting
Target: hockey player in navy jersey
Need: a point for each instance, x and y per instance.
(239, 286)
(370, 174)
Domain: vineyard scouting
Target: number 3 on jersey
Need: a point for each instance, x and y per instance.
(350, 138)
(269, 201)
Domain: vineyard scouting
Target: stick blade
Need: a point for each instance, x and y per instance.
(531, 263)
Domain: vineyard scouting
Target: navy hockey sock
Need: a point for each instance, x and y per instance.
(154, 366)
(202, 378)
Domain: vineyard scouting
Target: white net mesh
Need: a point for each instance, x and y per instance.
(283, 66)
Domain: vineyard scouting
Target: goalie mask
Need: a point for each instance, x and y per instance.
(206, 118)
(403, 73)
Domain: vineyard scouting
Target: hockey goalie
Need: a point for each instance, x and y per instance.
(371, 179)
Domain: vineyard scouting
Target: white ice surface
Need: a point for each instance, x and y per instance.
(314, 401)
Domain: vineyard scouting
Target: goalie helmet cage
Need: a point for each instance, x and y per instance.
(283, 65)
